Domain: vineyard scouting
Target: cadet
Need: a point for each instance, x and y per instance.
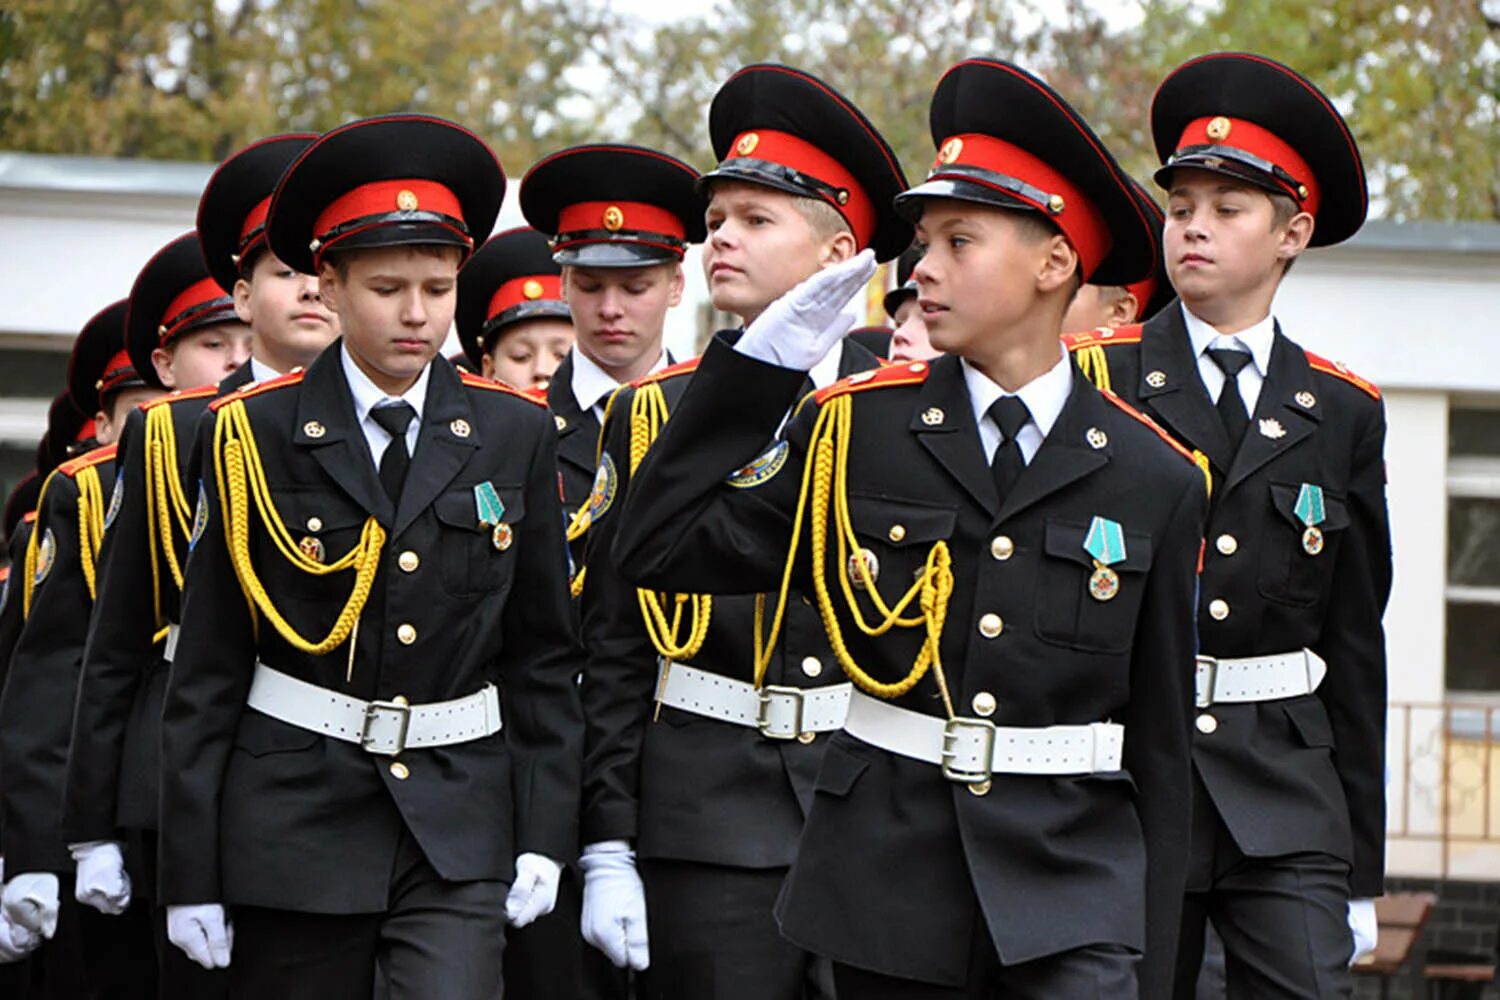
(1289, 753)
(1007, 577)
(710, 786)
(180, 311)
(377, 551)
(1096, 307)
(909, 340)
(512, 321)
(56, 595)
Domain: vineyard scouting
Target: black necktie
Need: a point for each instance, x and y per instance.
(1231, 403)
(1010, 415)
(395, 418)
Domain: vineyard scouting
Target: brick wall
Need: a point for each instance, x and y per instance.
(1467, 918)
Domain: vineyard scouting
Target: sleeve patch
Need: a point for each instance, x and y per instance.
(200, 517)
(116, 497)
(762, 469)
(46, 555)
(606, 482)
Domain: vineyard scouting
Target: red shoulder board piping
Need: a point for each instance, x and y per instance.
(536, 392)
(245, 392)
(87, 459)
(480, 382)
(1339, 370)
(177, 395)
(4, 573)
(1104, 336)
(29, 517)
(671, 371)
(906, 373)
(1156, 428)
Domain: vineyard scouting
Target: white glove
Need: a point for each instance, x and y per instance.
(614, 904)
(16, 942)
(800, 328)
(1364, 927)
(30, 902)
(534, 892)
(101, 880)
(202, 932)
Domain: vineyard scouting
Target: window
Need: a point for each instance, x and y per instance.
(1473, 587)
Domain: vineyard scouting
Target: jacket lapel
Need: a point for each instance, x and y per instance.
(855, 357)
(327, 427)
(577, 429)
(448, 437)
(1075, 447)
(943, 422)
(1171, 389)
(1281, 418)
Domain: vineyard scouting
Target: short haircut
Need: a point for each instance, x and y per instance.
(1036, 227)
(825, 220)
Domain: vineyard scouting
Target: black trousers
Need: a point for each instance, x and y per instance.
(1283, 920)
(177, 976)
(550, 960)
(1098, 972)
(91, 956)
(434, 939)
(713, 937)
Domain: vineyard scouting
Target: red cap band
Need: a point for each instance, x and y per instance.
(188, 307)
(519, 291)
(637, 221)
(847, 196)
(379, 199)
(1142, 290)
(88, 430)
(118, 370)
(254, 229)
(1237, 133)
(1052, 193)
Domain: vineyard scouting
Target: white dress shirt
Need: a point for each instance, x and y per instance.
(1044, 396)
(367, 395)
(592, 384)
(261, 372)
(1255, 339)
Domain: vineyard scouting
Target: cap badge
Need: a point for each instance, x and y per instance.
(1156, 379)
(1271, 428)
(949, 151)
(1306, 400)
(747, 144)
(614, 218)
(932, 416)
(460, 427)
(313, 429)
(1096, 438)
(532, 289)
(406, 200)
(1219, 128)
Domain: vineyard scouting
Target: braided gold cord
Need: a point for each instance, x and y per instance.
(90, 522)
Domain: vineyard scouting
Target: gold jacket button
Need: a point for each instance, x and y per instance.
(812, 666)
(408, 561)
(400, 699)
(406, 635)
(1227, 544)
(1218, 609)
(1002, 548)
(806, 738)
(897, 532)
(982, 788)
(991, 625)
(984, 704)
(315, 524)
(400, 771)
(1207, 723)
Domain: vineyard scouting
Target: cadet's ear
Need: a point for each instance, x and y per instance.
(1294, 237)
(329, 285)
(839, 248)
(1123, 310)
(674, 296)
(241, 293)
(1058, 264)
(161, 360)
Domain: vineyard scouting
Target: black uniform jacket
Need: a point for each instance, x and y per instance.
(685, 787)
(896, 863)
(577, 438)
(114, 760)
(1301, 774)
(36, 708)
(257, 811)
(10, 610)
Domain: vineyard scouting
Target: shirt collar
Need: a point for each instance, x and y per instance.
(592, 384)
(1044, 396)
(262, 372)
(1256, 339)
(367, 395)
(826, 371)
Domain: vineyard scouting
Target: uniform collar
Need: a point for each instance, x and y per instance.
(1256, 339)
(592, 384)
(1044, 396)
(367, 395)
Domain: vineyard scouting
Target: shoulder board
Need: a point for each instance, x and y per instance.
(1104, 336)
(536, 392)
(29, 517)
(1156, 428)
(177, 396)
(671, 371)
(87, 460)
(480, 382)
(245, 392)
(1339, 370)
(906, 373)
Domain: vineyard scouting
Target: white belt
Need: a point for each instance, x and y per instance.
(382, 727)
(970, 750)
(779, 712)
(169, 651)
(1258, 678)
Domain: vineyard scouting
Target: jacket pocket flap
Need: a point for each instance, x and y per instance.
(459, 508)
(900, 523)
(1064, 539)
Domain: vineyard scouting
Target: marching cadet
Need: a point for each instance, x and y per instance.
(909, 340)
(184, 316)
(371, 737)
(1008, 582)
(56, 595)
(1289, 752)
(1097, 307)
(512, 321)
(700, 761)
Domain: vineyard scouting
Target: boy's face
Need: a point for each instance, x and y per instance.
(619, 312)
(203, 357)
(285, 309)
(980, 273)
(1221, 240)
(759, 247)
(527, 353)
(909, 341)
(394, 305)
(110, 421)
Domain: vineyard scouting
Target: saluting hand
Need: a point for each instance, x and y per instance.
(800, 328)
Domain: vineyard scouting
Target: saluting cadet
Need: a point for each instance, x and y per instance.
(512, 321)
(187, 329)
(909, 340)
(56, 595)
(704, 746)
(377, 552)
(1004, 558)
(1096, 307)
(1289, 749)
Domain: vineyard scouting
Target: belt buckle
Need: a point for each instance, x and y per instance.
(763, 721)
(372, 710)
(1203, 694)
(951, 730)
